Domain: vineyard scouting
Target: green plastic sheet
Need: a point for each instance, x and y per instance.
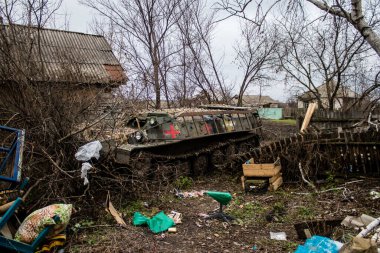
(139, 219)
(222, 197)
(158, 223)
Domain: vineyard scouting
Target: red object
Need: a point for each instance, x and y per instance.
(208, 128)
(173, 132)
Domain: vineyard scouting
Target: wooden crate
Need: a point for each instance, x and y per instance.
(273, 182)
(277, 183)
(251, 169)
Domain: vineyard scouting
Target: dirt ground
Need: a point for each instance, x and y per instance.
(274, 130)
(256, 215)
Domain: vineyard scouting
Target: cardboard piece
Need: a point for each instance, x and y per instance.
(112, 210)
(176, 216)
(353, 221)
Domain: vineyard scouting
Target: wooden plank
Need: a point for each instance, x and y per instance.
(309, 114)
(251, 169)
(250, 172)
(243, 182)
(274, 178)
(276, 184)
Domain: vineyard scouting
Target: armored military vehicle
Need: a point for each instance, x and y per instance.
(194, 140)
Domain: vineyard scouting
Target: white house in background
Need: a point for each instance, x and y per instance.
(344, 97)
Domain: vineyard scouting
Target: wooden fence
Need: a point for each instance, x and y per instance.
(350, 152)
(333, 119)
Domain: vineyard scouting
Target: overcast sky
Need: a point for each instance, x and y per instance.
(225, 36)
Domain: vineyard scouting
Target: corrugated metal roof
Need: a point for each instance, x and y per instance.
(63, 56)
(257, 100)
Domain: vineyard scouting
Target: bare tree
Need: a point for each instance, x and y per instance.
(240, 8)
(362, 15)
(166, 49)
(317, 54)
(255, 56)
(364, 21)
(147, 27)
(364, 78)
(197, 29)
(47, 101)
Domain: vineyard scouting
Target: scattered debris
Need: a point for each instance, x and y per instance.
(88, 151)
(85, 168)
(203, 215)
(176, 216)
(112, 210)
(157, 224)
(319, 227)
(357, 222)
(319, 244)
(160, 236)
(172, 230)
(84, 154)
(370, 227)
(191, 194)
(376, 237)
(359, 245)
(36, 222)
(280, 236)
(375, 195)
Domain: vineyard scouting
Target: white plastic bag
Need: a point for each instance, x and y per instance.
(86, 152)
(85, 168)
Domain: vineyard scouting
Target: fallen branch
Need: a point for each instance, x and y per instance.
(55, 164)
(304, 179)
(10, 119)
(376, 125)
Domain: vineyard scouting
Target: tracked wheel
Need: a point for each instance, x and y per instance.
(230, 154)
(243, 147)
(218, 158)
(141, 167)
(200, 165)
(231, 151)
(184, 168)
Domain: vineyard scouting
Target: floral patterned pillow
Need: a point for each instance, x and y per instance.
(33, 225)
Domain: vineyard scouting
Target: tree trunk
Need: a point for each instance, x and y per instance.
(156, 80)
(331, 105)
(240, 100)
(356, 18)
(369, 35)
